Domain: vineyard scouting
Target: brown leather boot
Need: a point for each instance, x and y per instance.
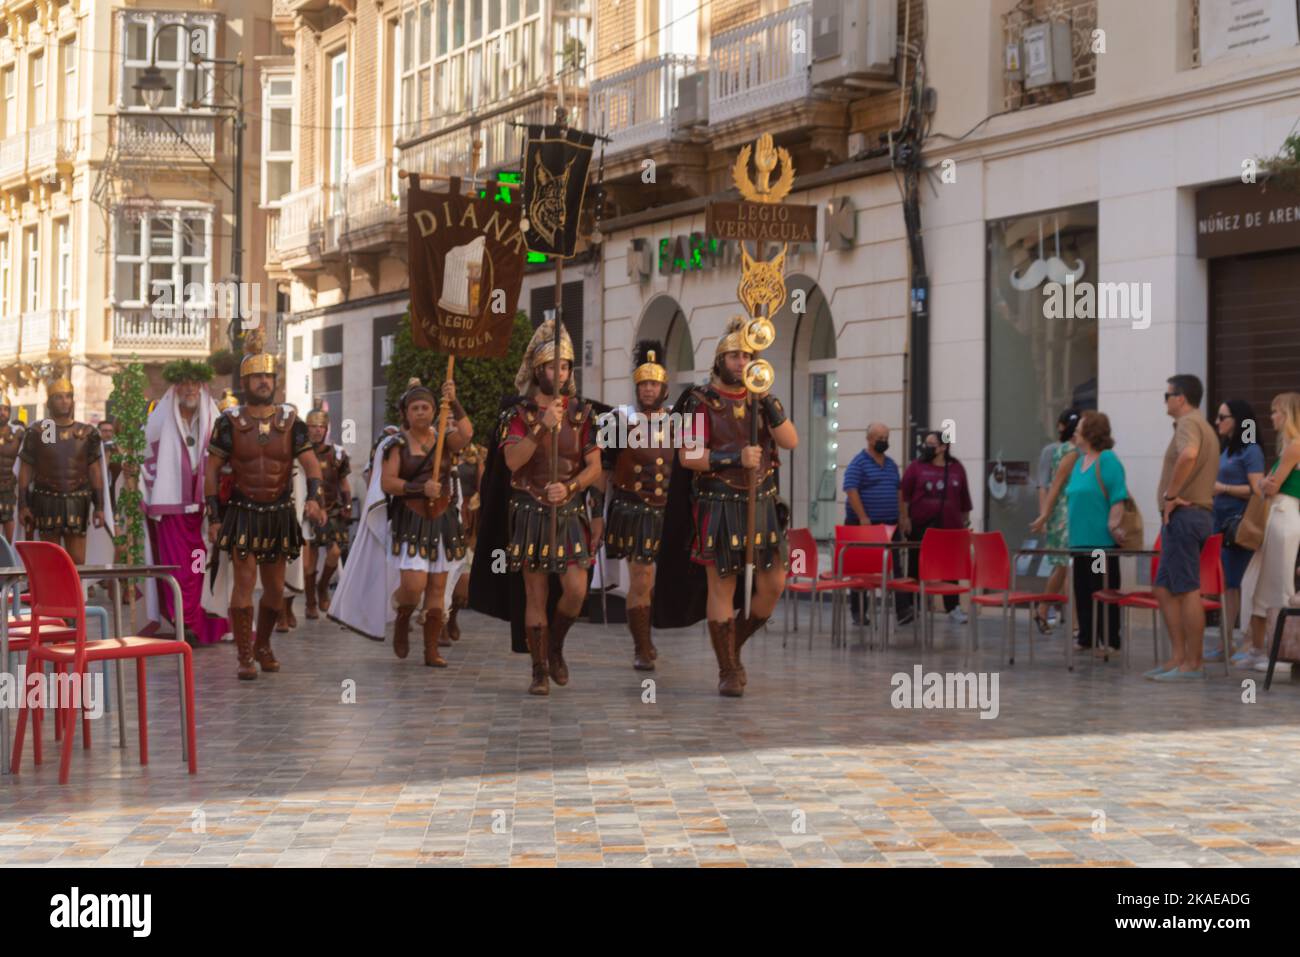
(538, 640)
(402, 631)
(323, 589)
(241, 626)
(638, 622)
(654, 652)
(559, 628)
(452, 630)
(262, 648)
(723, 636)
(289, 616)
(309, 579)
(432, 628)
(744, 631)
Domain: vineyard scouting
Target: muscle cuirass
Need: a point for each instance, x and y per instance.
(415, 466)
(728, 420)
(331, 478)
(535, 474)
(262, 456)
(10, 441)
(64, 464)
(645, 471)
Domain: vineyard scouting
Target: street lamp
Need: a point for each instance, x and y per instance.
(153, 89)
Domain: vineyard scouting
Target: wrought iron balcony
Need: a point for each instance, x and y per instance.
(636, 107)
(165, 137)
(170, 331)
(759, 66)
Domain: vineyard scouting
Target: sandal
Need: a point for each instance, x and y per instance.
(1044, 627)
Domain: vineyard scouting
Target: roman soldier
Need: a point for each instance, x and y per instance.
(642, 469)
(62, 477)
(336, 499)
(427, 539)
(259, 529)
(520, 487)
(705, 519)
(468, 464)
(11, 438)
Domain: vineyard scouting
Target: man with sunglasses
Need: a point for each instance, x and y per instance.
(1186, 501)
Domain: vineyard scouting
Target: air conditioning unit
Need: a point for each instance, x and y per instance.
(854, 43)
(692, 101)
(1047, 57)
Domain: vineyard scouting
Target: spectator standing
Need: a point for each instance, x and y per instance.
(1186, 497)
(935, 494)
(872, 489)
(1269, 582)
(1095, 498)
(1053, 507)
(1241, 470)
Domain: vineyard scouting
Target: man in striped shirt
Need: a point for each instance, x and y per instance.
(871, 487)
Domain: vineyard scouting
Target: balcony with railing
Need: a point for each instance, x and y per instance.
(51, 144)
(8, 337)
(13, 156)
(168, 331)
(760, 65)
(45, 332)
(371, 208)
(448, 151)
(635, 107)
(306, 227)
(165, 137)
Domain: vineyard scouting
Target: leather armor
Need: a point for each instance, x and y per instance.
(262, 454)
(535, 474)
(10, 441)
(412, 467)
(64, 464)
(334, 468)
(645, 472)
(728, 424)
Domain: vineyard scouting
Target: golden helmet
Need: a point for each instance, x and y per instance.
(733, 339)
(227, 401)
(318, 415)
(255, 359)
(647, 361)
(61, 385)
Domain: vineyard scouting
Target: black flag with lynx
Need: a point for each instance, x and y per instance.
(555, 183)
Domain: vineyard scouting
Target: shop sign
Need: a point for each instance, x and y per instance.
(1245, 218)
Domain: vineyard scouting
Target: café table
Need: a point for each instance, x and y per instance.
(114, 575)
(1070, 554)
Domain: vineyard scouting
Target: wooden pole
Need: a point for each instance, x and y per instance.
(443, 411)
(555, 378)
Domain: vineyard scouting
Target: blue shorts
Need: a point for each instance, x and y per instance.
(1181, 541)
(1235, 561)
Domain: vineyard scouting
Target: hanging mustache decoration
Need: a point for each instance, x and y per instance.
(1054, 268)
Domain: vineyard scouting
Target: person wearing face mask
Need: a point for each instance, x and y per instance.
(936, 494)
(1053, 509)
(872, 487)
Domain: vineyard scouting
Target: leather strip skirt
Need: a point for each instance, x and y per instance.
(719, 514)
(268, 531)
(530, 535)
(417, 534)
(633, 528)
(60, 512)
(333, 532)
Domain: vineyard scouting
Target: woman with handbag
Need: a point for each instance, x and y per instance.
(1096, 495)
(1241, 469)
(1269, 582)
(934, 494)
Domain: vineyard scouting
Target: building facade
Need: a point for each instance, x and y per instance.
(1091, 177)
(116, 219)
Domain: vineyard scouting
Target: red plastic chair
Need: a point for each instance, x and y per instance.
(1117, 596)
(993, 576)
(945, 558)
(863, 566)
(808, 581)
(57, 592)
(1211, 585)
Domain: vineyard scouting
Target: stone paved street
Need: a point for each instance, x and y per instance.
(812, 767)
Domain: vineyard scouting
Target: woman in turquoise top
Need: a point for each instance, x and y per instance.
(1092, 516)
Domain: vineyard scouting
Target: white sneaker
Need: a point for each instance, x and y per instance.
(1260, 664)
(959, 616)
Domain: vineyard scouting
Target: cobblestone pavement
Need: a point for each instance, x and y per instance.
(813, 766)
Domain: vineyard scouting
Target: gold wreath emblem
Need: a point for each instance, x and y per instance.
(765, 161)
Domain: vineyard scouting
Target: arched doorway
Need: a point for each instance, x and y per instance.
(664, 320)
(807, 370)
